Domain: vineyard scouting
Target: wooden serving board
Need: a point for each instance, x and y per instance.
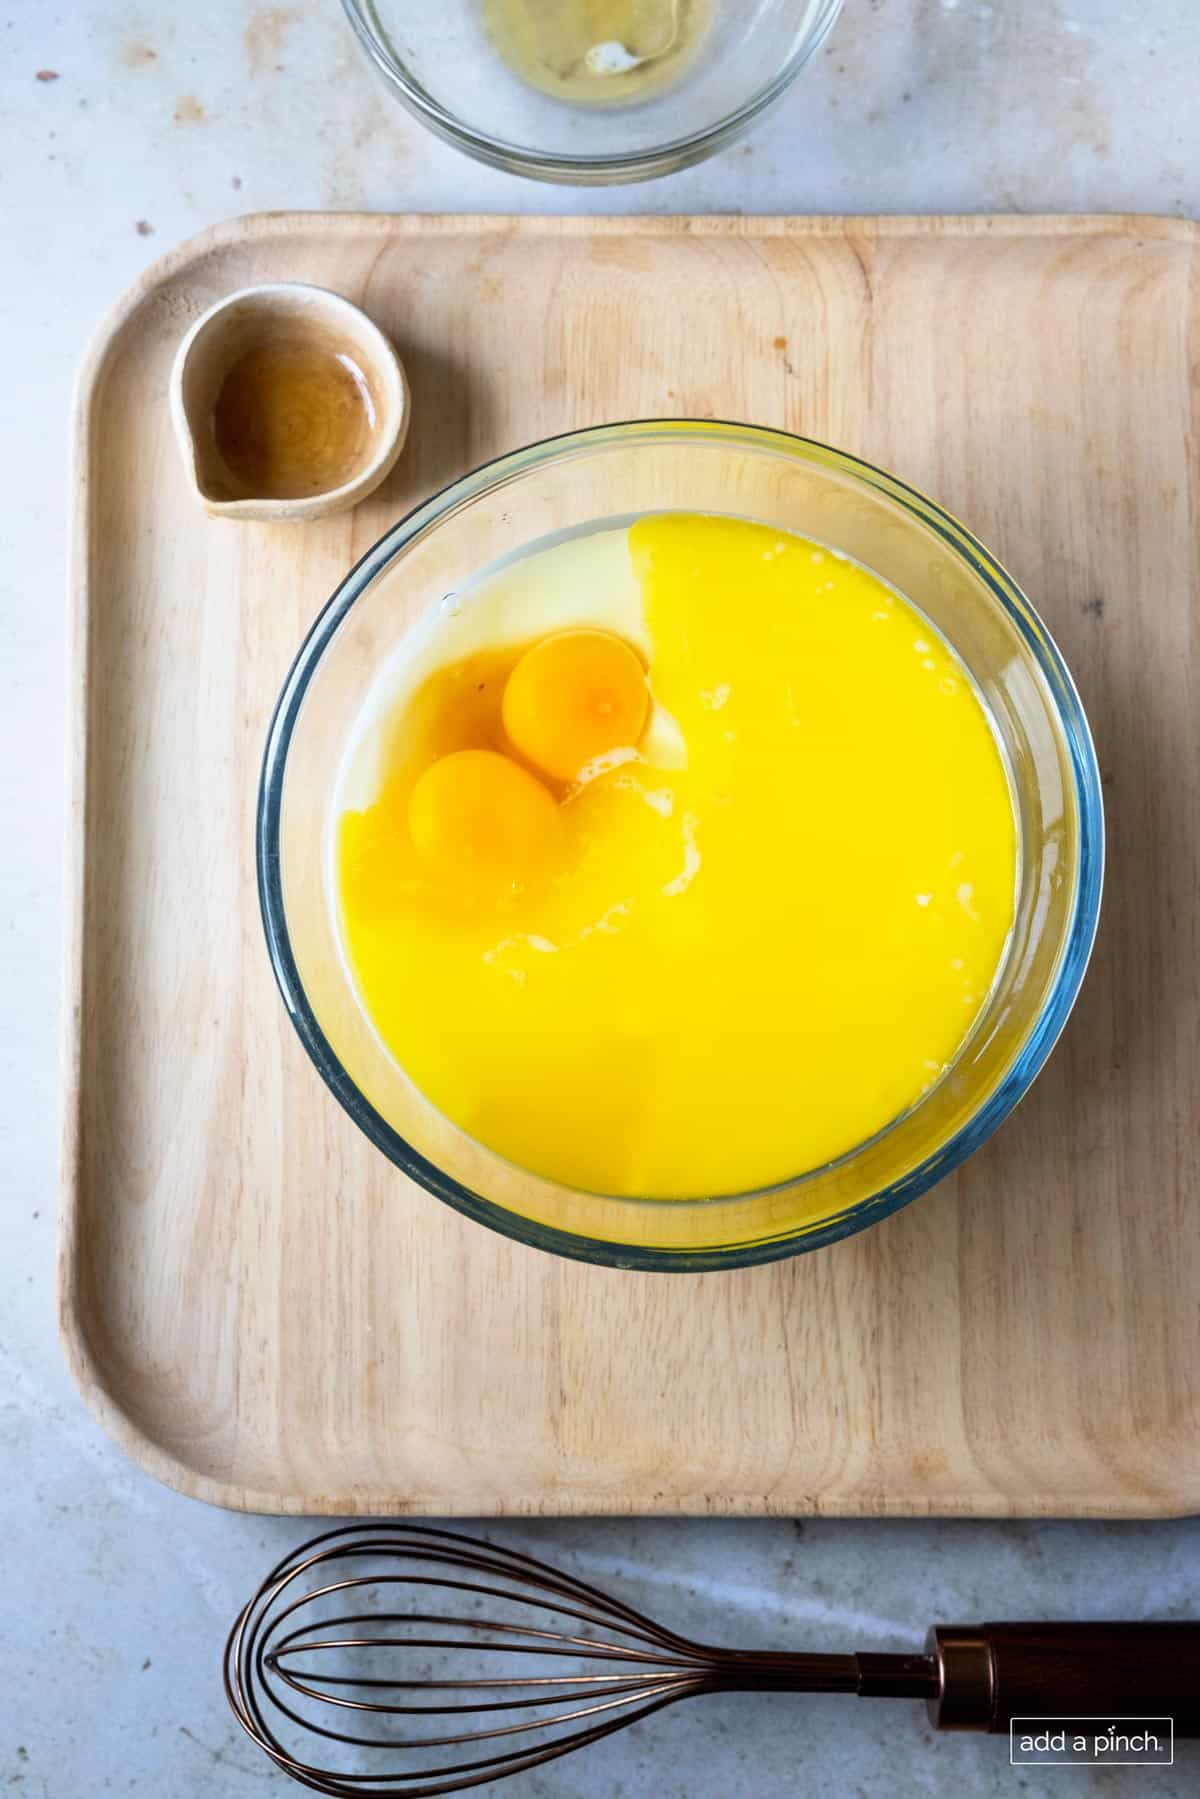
(268, 1315)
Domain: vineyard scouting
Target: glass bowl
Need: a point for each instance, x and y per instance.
(441, 63)
(605, 475)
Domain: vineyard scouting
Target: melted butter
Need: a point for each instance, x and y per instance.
(756, 955)
(292, 418)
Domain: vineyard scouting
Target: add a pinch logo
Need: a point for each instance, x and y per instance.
(1092, 1742)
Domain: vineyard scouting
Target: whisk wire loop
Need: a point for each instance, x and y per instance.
(563, 1665)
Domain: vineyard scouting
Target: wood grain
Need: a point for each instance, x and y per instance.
(260, 1308)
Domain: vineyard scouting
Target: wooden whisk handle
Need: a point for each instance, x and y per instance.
(988, 1674)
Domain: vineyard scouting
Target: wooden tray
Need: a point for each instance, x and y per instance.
(259, 1307)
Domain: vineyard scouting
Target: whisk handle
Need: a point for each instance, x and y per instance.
(989, 1674)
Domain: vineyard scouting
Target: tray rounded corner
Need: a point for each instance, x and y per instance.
(117, 1422)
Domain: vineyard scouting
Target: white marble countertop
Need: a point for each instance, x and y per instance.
(125, 127)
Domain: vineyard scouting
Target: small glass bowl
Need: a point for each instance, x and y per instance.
(440, 62)
(614, 472)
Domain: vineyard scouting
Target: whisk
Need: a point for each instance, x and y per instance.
(506, 1664)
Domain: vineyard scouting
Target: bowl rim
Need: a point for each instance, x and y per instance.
(581, 171)
(1078, 937)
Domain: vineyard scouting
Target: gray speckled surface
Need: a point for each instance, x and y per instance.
(144, 124)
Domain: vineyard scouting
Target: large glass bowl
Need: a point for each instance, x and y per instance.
(607, 474)
(440, 63)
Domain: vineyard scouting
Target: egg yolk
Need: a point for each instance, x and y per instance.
(573, 697)
(481, 821)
